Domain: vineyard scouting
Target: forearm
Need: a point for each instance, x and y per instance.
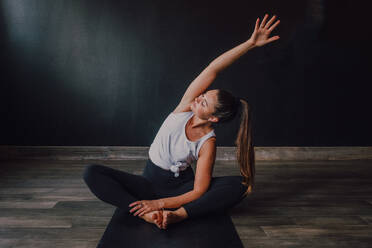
(178, 201)
(227, 58)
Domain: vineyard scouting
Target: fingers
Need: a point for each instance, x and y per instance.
(273, 38)
(134, 203)
(135, 208)
(159, 219)
(165, 222)
(270, 21)
(257, 23)
(273, 26)
(265, 25)
(264, 21)
(139, 212)
(143, 210)
(158, 223)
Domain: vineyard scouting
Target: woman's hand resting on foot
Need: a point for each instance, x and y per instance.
(145, 206)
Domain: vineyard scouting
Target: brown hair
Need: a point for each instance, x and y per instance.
(227, 108)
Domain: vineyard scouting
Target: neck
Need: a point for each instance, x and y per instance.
(196, 122)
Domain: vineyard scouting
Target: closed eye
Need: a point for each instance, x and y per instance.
(205, 101)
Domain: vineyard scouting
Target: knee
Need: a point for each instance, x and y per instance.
(230, 185)
(238, 187)
(89, 171)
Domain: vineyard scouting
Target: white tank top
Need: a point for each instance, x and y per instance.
(171, 149)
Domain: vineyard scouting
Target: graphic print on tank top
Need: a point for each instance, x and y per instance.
(171, 148)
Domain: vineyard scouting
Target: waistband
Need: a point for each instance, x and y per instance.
(166, 178)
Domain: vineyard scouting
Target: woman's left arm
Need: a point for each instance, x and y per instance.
(203, 176)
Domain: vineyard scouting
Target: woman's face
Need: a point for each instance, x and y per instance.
(204, 105)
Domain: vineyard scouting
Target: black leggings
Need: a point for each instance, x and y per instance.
(120, 188)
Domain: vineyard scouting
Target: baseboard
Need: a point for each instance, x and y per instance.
(141, 152)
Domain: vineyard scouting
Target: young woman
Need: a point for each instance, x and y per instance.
(169, 188)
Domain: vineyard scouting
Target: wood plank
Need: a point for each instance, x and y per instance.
(28, 204)
(8, 243)
(367, 218)
(27, 222)
(339, 242)
(59, 220)
(244, 220)
(301, 211)
(291, 231)
(250, 231)
(329, 220)
(25, 190)
(68, 234)
(97, 211)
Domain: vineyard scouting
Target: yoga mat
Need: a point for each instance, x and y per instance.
(126, 231)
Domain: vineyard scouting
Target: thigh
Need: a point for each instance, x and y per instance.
(223, 193)
(226, 188)
(136, 185)
(227, 181)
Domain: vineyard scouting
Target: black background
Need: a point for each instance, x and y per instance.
(89, 72)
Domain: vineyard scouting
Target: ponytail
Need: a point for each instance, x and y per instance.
(245, 150)
(227, 108)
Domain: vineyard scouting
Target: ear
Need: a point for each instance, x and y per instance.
(213, 119)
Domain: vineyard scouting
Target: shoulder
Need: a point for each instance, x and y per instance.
(208, 148)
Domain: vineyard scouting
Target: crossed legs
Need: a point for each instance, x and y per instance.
(120, 188)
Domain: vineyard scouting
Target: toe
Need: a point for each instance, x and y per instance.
(154, 216)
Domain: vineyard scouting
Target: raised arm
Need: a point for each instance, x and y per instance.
(259, 37)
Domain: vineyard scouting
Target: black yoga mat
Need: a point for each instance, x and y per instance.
(125, 231)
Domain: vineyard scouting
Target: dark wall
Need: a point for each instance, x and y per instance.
(90, 72)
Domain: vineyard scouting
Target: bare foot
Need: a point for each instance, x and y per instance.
(170, 217)
(155, 217)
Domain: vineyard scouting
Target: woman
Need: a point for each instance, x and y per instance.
(169, 189)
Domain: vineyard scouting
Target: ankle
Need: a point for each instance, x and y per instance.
(181, 212)
(146, 215)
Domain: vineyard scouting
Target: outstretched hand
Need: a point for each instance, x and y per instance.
(261, 33)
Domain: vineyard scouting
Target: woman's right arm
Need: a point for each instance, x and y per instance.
(209, 74)
(259, 37)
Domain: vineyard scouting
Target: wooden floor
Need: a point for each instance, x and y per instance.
(295, 204)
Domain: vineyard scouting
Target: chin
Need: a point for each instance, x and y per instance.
(192, 108)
